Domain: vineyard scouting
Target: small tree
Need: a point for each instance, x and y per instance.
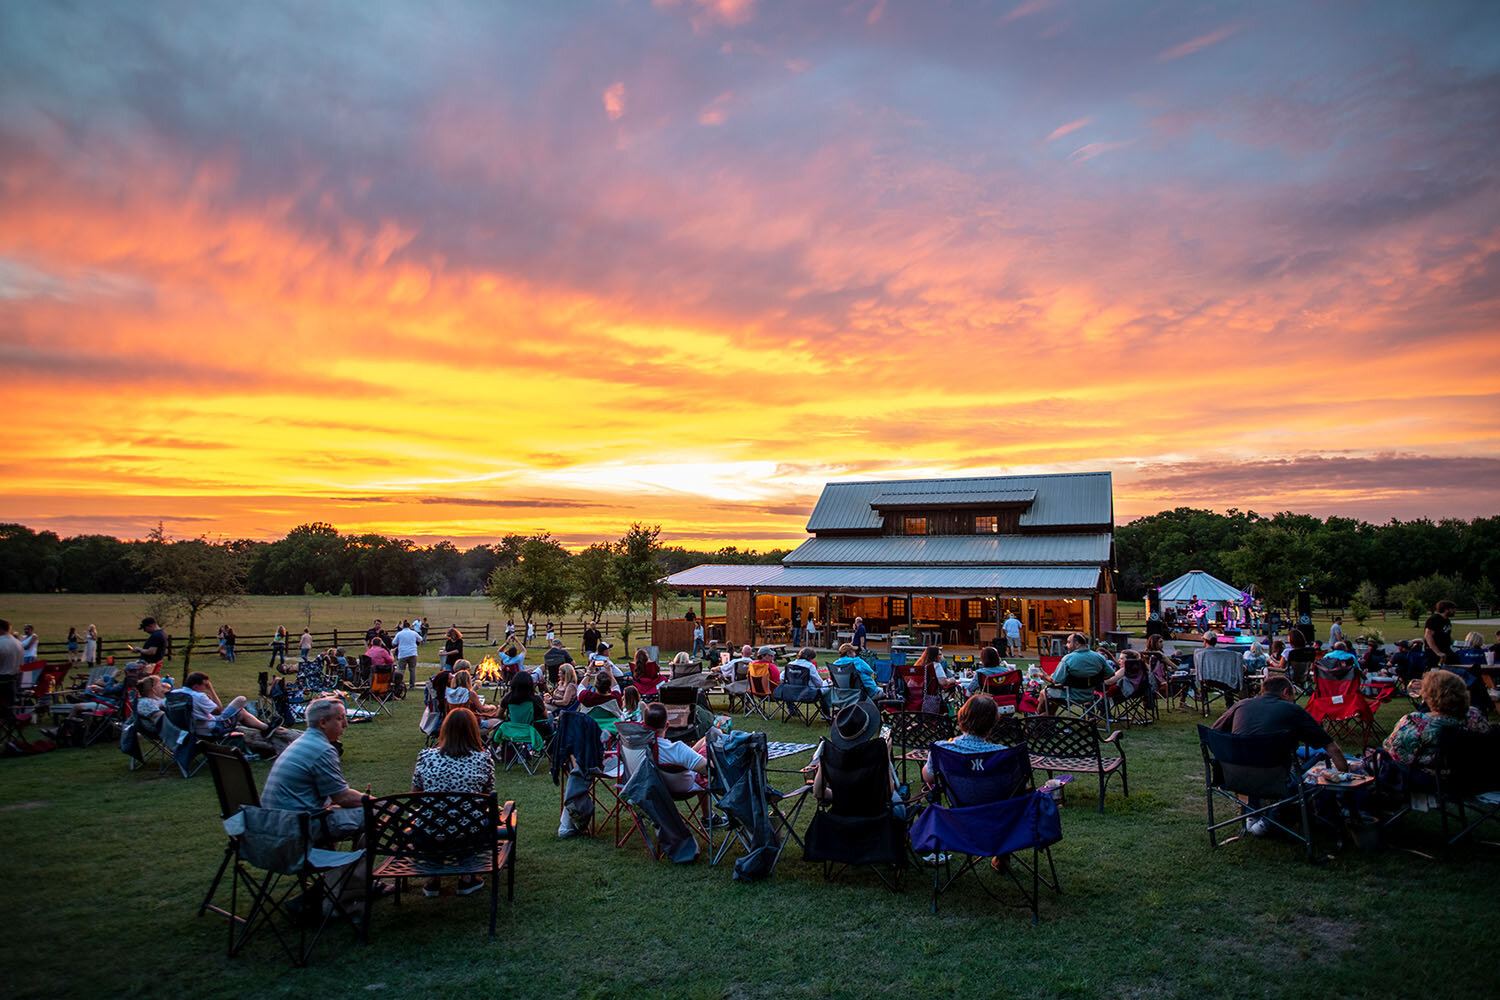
(637, 573)
(538, 584)
(1370, 594)
(192, 577)
(1358, 609)
(595, 588)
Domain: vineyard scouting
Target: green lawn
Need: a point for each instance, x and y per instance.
(113, 864)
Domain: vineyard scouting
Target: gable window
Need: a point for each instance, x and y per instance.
(986, 525)
(916, 525)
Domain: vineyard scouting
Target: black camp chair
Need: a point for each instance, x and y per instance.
(800, 693)
(858, 825)
(761, 818)
(1468, 780)
(1264, 770)
(177, 731)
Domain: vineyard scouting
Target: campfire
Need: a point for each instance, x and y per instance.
(488, 671)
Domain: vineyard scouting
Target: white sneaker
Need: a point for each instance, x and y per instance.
(1257, 827)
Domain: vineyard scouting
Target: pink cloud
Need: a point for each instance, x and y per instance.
(1197, 44)
(1085, 153)
(1028, 8)
(614, 101)
(1072, 126)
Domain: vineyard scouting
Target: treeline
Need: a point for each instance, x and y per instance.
(313, 558)
(1341, 560)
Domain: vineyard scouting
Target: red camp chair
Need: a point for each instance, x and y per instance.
(920, 682)
(648, 680)
(1004, 687)
(1338, 707)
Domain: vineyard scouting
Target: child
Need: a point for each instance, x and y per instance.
(152, 692)
(632, 704)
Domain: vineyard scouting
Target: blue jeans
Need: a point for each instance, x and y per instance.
(278, 649)
(229, 651)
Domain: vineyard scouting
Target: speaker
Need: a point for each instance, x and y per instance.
(1304, 616)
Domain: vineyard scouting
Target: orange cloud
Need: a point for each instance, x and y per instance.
(1198, 44)
(614, 101)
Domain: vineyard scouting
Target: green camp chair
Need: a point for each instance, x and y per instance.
(520, 737)
(605, 718)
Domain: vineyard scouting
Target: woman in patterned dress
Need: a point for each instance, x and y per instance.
(458, 763)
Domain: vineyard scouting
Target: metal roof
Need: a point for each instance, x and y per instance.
(1073, 498)
(1016, 580)
(940, 550)
(972, 497)
(1195, 581)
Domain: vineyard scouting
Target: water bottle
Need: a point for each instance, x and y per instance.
(167, 680)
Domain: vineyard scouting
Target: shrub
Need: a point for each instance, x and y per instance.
(346, 591)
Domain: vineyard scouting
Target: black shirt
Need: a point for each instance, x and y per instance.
(1442, 637)
(454, 648)
(1266, 714)
(155, 648)
(590, 640)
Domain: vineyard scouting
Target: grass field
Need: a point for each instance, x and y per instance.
(116, 862)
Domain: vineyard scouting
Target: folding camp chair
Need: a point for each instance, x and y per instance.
(378, 693)
(1080, 698)
(292, 884)
(1339, 708)
(1003, 685)
(759, 698)
(847, 687)
(638, 762)
(1138, 708)
(1264, 770)
(141, 737)
(434, 834)
(516, 740)
(761, 818)
(590, 773)
(800, 694)
(234, 783)
(985, 807)
(858, 825)
(1468, 779)
(1217, 674)
(13, 718)
(912, 733)
(177, 731)
(736, 690)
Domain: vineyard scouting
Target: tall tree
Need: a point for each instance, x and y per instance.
(192, 577)
(595, 588)
(637, 570)
(538, 584)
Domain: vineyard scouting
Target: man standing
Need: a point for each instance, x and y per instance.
(1012, 635)
(858, 639)
(10, 652)
(407, 641)
(29, 643)
(151, 652)
(554, 658)
(1437, 634)
(1336, 631)
(590, 640)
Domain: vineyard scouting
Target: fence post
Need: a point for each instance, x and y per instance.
(171, 646)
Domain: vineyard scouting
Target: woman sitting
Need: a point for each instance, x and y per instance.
(1133, 677)
(1255, 659)
(565, 694)
(976, 719)
(465, 692)
(1158, 662)
(1414, 741)
(1471, 653)
(458, 763)
(523, 692)
(647, 675)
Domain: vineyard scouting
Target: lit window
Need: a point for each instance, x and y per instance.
(916, 525)
(986, 525)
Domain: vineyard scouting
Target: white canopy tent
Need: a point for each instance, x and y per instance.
(1206, 586)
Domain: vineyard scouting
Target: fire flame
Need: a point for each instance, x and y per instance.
(488, 671)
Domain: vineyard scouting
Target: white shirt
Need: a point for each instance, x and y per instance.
(1013, 628)
(203, 712)
(817, 674)
(530, 630)
(407, 642)
(678, 754)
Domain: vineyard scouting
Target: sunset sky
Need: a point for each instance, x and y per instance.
(462, 270)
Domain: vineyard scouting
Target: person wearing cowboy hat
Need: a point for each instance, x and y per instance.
(854, 726)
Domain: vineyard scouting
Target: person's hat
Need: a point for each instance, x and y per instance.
(147, 622)
(855, 724)
(765, 653)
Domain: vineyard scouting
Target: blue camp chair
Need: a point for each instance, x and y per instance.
(986, 807)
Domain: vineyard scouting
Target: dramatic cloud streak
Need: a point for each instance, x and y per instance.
(525, 267)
